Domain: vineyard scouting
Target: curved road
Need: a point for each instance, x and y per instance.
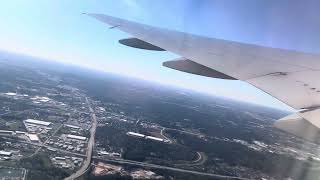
(202, 158)
(165, 137)
(87, 162)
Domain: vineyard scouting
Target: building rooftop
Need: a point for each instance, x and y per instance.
(10, 94)
(33, 121)
(5, 153)
(33, 137)
(72, 126)
(76, 137)
(135, 134)
(6, 131)
(154, 138)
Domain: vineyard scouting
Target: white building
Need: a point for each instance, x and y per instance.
(103, 153)
(33, 138)
(20, 132)
(6, 132)
(76, 137)
(115, 154)
(136, 134)
(155, 138)
(147, 137)
(37, 122)
(51, 149)
(72, 126)
(5, 153)
(10, 94)
(60, 158)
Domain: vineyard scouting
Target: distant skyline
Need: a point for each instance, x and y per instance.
(59, 31)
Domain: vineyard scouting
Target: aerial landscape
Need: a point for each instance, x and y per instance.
(159, 90)
(59, 121)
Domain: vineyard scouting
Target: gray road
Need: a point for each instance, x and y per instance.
(186, 132)
(137, 163)
(142, 164)
(165, 137)
(87, 162)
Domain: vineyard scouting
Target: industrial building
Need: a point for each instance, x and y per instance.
(10, 94)
(20, 132)
(37, 122)
(5, 132)
(155, 138)
(33, 138)
(103, 153)
(51, 149)
(60, 158)
(76, 137)
(136, 134)
(5, 153)
(72, 126)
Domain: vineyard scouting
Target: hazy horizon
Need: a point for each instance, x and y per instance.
(108, 73)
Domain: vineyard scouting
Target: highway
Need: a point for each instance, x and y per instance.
(143, 164)
(130, 162)
(87, 162)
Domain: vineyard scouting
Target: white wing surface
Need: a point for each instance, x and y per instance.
(289, 76)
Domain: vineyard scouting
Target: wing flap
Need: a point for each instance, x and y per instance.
(137, 43)
(298, 126)
(300, 90)
(311, 115)
(186, 65)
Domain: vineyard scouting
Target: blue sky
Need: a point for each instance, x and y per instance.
(59, 31)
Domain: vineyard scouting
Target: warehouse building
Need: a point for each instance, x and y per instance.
(72, 126)
(70, 136)
(135, 134)
(5, 153)
(5, 132)
(155, 138)
(33, 138)
(37, 122)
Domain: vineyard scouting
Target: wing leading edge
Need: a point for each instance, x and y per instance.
(289, 76)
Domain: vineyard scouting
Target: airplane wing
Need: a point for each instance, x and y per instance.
(289, 76)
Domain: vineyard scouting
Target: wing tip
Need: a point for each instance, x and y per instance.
(113, 21)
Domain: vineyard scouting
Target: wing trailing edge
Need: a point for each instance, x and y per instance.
(188, 66)
(298, 126)
(140, 44)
